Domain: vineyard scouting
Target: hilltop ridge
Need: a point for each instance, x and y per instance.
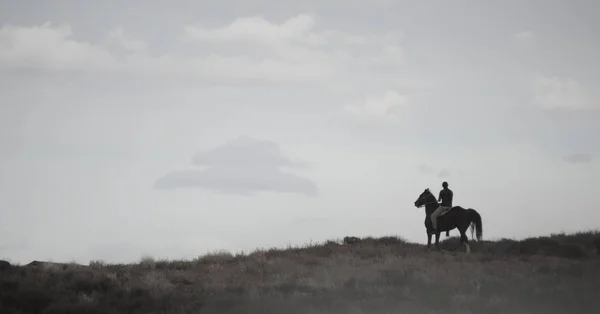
(551, 274)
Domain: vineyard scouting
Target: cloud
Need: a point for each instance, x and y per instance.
(258, 30)
(290, 51)
(388, 107)
(119, 38)
(296, 32)
(577, 158)
(51, 47)
(556, 93)
(245, 151)
(241, 166)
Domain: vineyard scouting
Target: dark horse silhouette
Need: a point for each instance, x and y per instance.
(456, 217)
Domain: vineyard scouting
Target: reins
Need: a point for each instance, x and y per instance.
(431, 202)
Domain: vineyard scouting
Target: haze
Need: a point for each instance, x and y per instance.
(172, 129)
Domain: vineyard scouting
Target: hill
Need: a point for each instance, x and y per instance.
(554, 274)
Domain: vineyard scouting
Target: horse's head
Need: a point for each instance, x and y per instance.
(425, 198)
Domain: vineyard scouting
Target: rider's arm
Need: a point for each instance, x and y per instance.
(440, 197)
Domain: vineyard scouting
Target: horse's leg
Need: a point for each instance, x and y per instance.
(460, 241)
(465, 240)
(437, 240)
(428, 239)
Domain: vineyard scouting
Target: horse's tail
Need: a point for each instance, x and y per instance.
(476, 224)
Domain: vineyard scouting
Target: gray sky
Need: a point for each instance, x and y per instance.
(163, 129)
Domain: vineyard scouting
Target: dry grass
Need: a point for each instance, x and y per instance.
(557, 274)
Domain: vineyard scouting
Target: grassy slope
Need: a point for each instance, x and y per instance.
(557, 274)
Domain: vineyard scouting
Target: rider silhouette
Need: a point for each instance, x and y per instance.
(445, 197)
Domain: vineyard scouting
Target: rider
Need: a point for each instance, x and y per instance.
(446, 202)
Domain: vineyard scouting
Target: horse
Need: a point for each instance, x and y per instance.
(455, 217)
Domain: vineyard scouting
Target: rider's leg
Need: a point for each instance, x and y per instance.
(434, 217)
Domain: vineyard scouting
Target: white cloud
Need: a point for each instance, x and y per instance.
(387, 107)
(291, 51)
(556, 93)
(297, 40)
(299, 30)
(257, 29)
(241, 166)
(118, 37)
(50, 46)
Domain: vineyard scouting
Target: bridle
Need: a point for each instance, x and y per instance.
(432, 197)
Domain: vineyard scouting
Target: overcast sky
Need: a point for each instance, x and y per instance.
(174, 128)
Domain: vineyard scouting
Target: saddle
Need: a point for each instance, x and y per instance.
(445, 211)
